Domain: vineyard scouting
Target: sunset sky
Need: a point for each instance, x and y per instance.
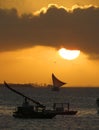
(32, 32)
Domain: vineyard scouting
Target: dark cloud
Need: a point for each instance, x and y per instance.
(77, 29)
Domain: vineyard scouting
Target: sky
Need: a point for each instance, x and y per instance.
(32, 32)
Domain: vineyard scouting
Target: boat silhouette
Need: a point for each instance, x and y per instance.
(39, 110)
(31, 111)
(97, 103)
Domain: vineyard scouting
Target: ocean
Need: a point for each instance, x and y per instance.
(81, 99)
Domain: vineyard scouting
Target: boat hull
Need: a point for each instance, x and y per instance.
(55, 89)
(35, 115)
(42, 115)
(66, 113)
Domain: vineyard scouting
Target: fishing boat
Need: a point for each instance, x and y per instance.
(56, 83)
(26, 110)
(61, 109)
(97, 103)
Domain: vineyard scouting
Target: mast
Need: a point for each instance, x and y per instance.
(6, 85)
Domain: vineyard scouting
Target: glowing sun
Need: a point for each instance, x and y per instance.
(69, 54)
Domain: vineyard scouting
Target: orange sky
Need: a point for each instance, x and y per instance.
(35, 65)
(27, 59)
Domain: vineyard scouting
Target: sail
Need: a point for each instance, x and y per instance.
(6, 85)
(56, 82)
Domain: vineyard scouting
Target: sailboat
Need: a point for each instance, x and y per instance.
(56, 83)
(38, 110)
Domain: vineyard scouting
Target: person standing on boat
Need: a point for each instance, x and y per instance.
(26, 103)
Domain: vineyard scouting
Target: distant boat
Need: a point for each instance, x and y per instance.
(97, 102)
(56, 83)
(31, 111)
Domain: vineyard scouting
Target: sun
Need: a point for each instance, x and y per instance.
(69, 54)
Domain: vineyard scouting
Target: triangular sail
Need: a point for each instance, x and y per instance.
(56, 82)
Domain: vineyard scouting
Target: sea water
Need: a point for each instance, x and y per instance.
(81, 99)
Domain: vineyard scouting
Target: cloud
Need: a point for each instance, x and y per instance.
(55, 27)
